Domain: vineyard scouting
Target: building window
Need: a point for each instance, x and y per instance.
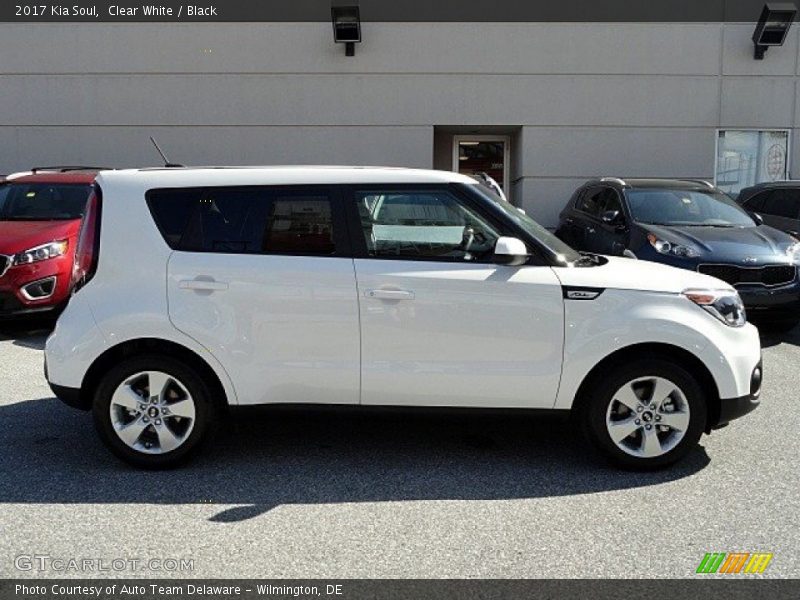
(748, 157)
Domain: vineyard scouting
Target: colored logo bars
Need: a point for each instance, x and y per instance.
(734, 562)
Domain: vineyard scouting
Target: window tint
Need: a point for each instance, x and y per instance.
(596, 201)
(610, 201)
(300, 225)
(589, 202)
(243, 220)
(757, 202)
(42, 201)
(424, 225)
(780, 203)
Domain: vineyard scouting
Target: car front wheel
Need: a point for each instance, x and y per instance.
(152, 411)
(646, 414)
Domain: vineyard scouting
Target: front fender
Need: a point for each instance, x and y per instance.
(615, 320)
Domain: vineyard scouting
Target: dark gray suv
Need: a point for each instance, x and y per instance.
(778, 203)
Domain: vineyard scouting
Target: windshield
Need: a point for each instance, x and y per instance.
(689, 208)
(558, 248)
(42, 201)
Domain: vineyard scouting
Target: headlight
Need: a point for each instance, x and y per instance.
(726, 305)
(665, 247)
(793, 251)
(43, 252)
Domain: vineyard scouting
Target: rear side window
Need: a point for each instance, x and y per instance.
(300, 225)
(259, 220)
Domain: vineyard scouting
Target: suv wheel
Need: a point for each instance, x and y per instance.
(646, 414)
(152, 411)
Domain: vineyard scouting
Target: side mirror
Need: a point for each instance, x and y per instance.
(510, 251)
(611, 217)
(757, 218)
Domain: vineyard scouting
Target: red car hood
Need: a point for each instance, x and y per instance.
(18, 236)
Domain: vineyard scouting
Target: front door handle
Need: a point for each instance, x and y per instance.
(590, 230)
(390, 294)
(203, 285)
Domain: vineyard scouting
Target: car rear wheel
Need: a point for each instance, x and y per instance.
(152, 411)
(645, 415)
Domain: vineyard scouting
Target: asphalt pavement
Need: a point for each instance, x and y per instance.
(293, 495)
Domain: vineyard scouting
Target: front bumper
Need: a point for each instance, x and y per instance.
(733, 408)
(11, 307)
(785, 298)
(15, 285)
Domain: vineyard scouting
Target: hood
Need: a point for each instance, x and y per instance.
(727, 243)
(18, 236)
(631, 274)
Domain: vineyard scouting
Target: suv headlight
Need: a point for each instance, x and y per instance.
(665, 247)
(793, 251)
(725, 305)
(43, 252)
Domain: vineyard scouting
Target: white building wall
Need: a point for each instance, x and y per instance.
(590, 99)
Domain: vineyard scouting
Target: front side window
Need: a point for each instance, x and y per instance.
(423, 225)
(43, 202)
(610, 202)
(590, 201)
(688, 208)
(244, 221)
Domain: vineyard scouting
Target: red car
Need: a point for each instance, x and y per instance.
(40, 220)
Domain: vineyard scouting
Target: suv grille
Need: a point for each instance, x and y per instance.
(4, 262)
(769, 275)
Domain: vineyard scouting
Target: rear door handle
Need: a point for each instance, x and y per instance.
(203, 285)
(390, 294)
(590, 230)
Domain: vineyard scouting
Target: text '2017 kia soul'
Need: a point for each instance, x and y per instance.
(381, 287)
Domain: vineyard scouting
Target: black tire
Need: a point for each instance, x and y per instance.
(205, 410)
(600, 393)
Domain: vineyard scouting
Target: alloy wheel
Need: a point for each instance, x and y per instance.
(647, 417)
(152, 412)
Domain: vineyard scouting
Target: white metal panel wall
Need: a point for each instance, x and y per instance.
(624, 99)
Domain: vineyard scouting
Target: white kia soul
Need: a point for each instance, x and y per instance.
(203, 288)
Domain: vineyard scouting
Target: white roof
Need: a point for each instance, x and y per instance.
(277, 175)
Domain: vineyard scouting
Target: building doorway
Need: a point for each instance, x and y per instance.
(490, 154)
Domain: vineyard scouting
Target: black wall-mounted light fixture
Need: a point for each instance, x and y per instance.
(773, 26)
(346, 26)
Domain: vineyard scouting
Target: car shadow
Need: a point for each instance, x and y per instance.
(771, 337)
(27, 333)
(274, 457)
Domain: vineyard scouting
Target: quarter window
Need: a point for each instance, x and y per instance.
(424, 225)
(244, 221)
